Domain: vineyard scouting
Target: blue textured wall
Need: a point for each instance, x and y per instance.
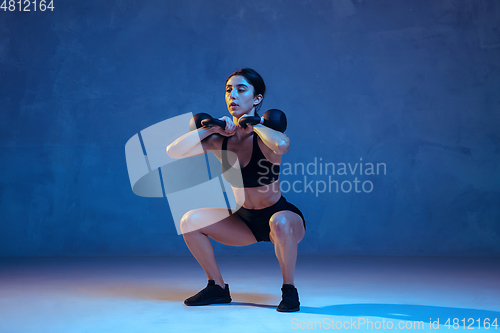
(412, 84)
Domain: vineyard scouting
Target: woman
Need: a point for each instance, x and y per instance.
(265, 215)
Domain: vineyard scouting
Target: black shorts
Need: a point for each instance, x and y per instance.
(258, 219)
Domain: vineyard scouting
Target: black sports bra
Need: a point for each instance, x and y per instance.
(258, 172)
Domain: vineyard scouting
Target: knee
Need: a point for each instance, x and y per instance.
(280, 225)
(188, 221)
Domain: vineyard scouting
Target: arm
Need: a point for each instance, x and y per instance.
(197, 142)
(278, 142)
(191, 143)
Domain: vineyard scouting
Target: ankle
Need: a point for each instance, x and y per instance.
(220, 283)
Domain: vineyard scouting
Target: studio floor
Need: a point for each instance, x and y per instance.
(145, 294)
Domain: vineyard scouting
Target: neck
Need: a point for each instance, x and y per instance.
(251, 113)
(241, 134)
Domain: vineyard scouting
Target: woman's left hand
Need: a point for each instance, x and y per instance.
(249, 127)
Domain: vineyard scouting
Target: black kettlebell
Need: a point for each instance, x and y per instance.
(272, 118)
(205, 120)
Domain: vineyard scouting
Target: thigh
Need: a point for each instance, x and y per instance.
(295, 221)
(228, 230)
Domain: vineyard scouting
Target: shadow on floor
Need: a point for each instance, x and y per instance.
(408, 312)
(404, 312)
(254, 305)
(161, 293)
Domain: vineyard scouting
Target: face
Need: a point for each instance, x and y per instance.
(240, 97)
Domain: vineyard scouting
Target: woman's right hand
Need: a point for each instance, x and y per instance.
(230, 129)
